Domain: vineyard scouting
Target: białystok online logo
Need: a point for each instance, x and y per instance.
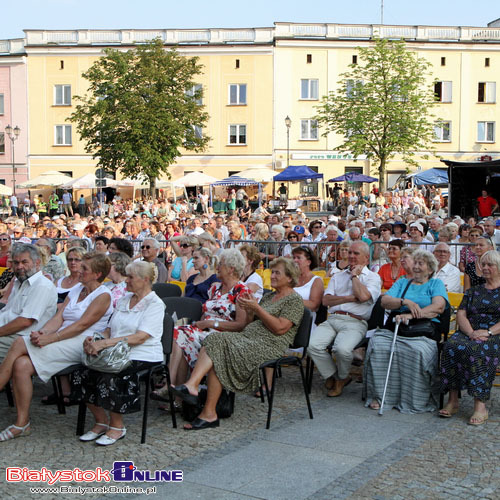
(121, 472)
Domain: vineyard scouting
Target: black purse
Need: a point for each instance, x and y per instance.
(423, 327)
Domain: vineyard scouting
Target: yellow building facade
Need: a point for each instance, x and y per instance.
(254, 78)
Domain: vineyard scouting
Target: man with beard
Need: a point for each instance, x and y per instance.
(33, 299)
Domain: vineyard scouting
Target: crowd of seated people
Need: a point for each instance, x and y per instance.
(56, 298)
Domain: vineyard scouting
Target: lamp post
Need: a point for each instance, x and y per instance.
(288, 124)
(13, 134)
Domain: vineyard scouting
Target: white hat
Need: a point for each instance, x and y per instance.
(78, 227)
(333, 218)
(418, 226)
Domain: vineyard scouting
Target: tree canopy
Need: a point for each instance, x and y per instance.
(382, 105)
(141, 107)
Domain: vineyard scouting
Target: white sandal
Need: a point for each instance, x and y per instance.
(7, 434)
(90, 435)
(105, 440)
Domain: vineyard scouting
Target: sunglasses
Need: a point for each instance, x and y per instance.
(147, 247)
(184, 245)
(4, 239)
(292, 237)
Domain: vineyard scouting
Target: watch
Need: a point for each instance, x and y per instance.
(216, 324)
(490, 333)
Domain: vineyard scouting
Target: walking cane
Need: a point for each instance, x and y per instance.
(393, 346)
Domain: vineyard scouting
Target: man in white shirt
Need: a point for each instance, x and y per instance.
(350, 297)
(33, 299)
(490, 229)
(446, 272)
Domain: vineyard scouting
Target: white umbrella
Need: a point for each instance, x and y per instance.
(191, 179)
(51, 178)
(136, 183)
(87, 181)
(259, 174)
(6, 190)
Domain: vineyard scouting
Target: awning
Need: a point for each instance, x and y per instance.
(51, 178)
(297, 173)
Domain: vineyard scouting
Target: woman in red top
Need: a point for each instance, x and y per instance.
(393, 270)
(5, 243)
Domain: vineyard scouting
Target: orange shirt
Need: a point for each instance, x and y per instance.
(385, 274)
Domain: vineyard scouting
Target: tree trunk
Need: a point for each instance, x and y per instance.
(381, 175)
(152, 187)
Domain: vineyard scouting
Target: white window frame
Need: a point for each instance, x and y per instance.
(64, 135)
(64, 89)
(237, 134)
(239, 100)
(2, 104)
(489, 92)
(446, 91)
(311, 130)
(349, 87)
(311, 90)
(440, 128)
(486, 126)
(193, 90)
(2, 143)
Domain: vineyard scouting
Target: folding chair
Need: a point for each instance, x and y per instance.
(184, 307)
(301, 340)
(167, 290)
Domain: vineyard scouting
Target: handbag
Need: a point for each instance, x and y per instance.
(422, 327)
(224, 408)
(111, 359)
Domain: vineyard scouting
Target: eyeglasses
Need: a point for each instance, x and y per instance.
(385, 229)
(316, 227)
(293, 237)
(4, 239)
(184, 245)
(147, 247)
(74, 260)
(286, 227)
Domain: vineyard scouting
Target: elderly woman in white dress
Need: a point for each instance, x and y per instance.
(138, 319)
(58, 344)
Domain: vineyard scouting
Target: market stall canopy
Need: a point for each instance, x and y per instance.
(353, 177)
(136, 183)
(51, 178)
(235, 180)
(87, 181)
(433, 176)
(189, 180)
(297, 173)
(257, 174)
(5, 190)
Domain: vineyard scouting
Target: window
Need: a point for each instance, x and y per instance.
(2, 108)
(198, 131)
(62, 95)
(309, 58)
(238, 134)
(443, 61)
(238, 94)
(309, 130)
(355, 59)
(487, 62)
(486, 92)
(62, 65)
(442, 90)
(485, 131)
(63, 135)
(351, 87)
(309, 89)
(194, 90)
(2, 143)
(237, 65)
(442, 131)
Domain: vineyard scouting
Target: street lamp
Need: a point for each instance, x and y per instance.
(13, 136)
(288, 124)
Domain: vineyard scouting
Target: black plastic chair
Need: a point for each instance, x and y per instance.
(57, 387)
(301, 340)
(184, 307)
(147, 377)
(164, 290)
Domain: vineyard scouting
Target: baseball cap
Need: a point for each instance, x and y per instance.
(299, 229)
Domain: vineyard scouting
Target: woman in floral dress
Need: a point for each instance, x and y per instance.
(220, 313)
(471, 356)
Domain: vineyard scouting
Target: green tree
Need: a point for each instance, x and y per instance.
(141, 107)
(382, 105)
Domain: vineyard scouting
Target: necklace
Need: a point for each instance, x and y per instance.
(394, 275)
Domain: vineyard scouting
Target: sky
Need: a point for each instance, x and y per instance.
(161, 14)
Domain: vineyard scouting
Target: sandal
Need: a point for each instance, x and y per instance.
(374, 405)
(49, 400)
(160, 395)
(200, 424)
(166, 408)
(448, 411)
(7, 434)
(478, 419)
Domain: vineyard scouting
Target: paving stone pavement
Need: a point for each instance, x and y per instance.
(345, 452)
